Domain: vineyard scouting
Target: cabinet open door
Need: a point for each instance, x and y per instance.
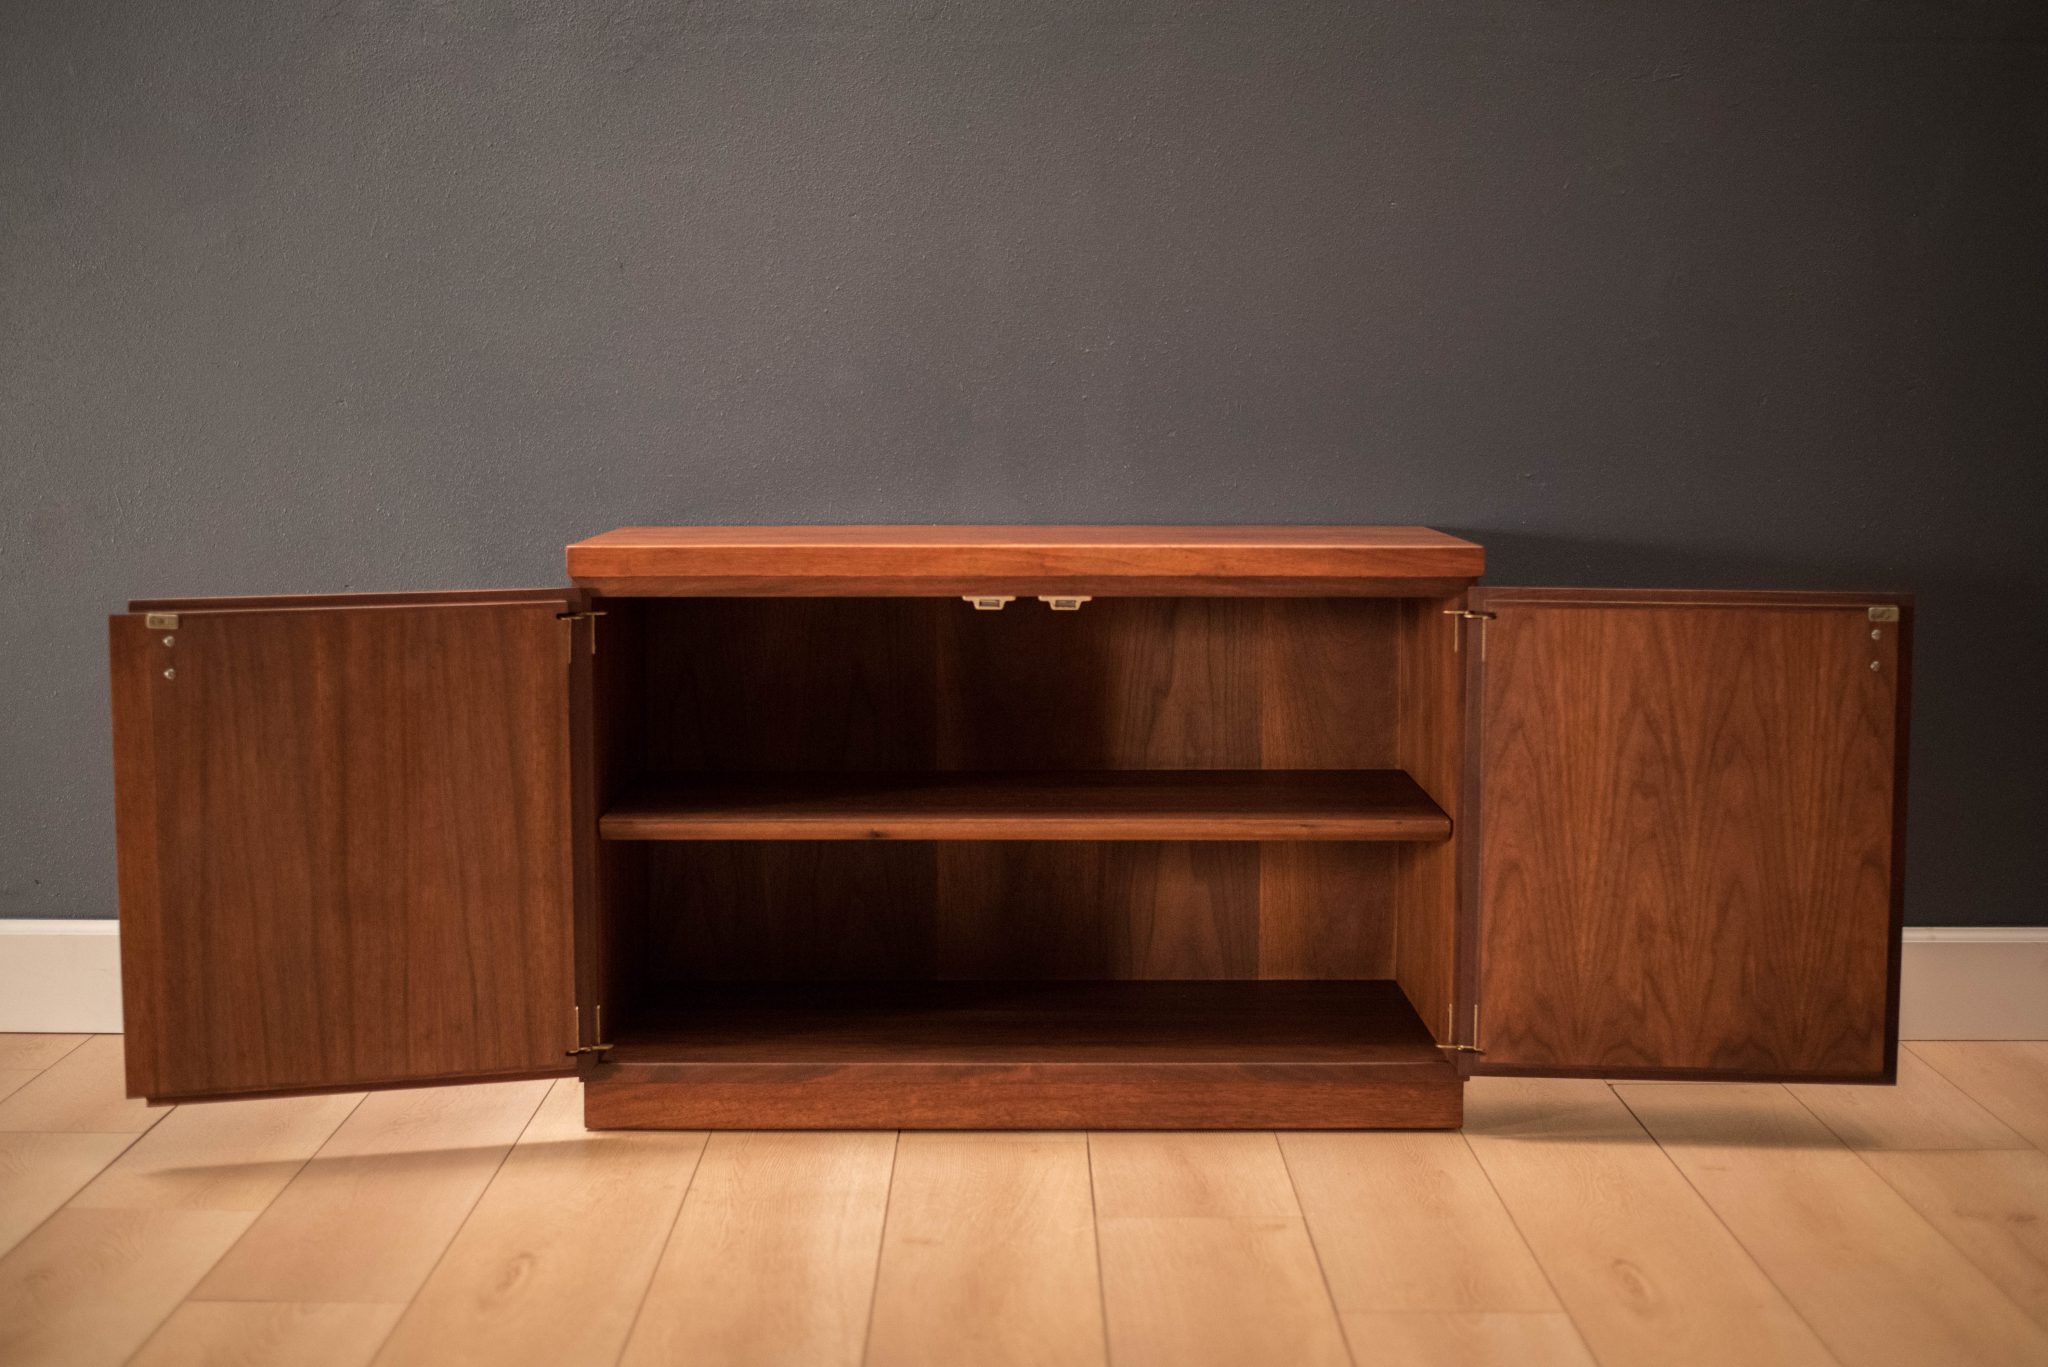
(346, 839)
(1682, 844)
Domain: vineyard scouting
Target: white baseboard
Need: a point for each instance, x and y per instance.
(1989, 983)
(1974, 983)
(60, 977)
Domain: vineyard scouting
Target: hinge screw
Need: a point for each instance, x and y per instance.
(170, 673)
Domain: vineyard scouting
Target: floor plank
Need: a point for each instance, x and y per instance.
(1924, 1111)
(88, 1286)
(226, 1155)
(1646, 1270)
(267, 1334)
(550, 1266)
(1205, 1256)
(40, 1172)
(369, 1216)
(1226, 1290)
(1410, 1222)
(1438, 1339)
(2008, 1079)
(1160, 1173)
(988, 1254)
(36, 1052)
(1991, 1204)
(1876, 1282)
(80, 1093)
(773, 1258)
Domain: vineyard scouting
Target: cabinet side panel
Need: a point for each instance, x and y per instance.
(1687, 846)
(1432, 750)
(134, 653)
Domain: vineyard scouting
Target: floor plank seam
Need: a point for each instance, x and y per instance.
(867, 1337)
(1529, 1248)
(661, 1256)
(1790, 1304)
(1095, 1229)
(2038, 1145)
(1322, 1269)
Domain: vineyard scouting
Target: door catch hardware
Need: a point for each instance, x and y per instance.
(988, 602)
(1469, 615)
(1064, 604)
(168, 621)
(581, 616)
(588, 1049)
(1888, 612)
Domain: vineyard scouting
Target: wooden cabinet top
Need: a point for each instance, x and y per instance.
(910, 560)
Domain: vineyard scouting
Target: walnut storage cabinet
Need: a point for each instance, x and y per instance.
(1161, 827)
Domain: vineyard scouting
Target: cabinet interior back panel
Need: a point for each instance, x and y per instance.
(851, 910)
(794, 685)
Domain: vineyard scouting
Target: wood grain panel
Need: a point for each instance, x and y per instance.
(1024, 560)
(785, 685)
(1098, 910)
(1142, 683)
(1687, 836)
(347, 833)
(1329, 683)
(1327, 910)
(819, 910)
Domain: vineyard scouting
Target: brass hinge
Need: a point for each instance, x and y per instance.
(1064, 602)
(988, 602)
(1462, 615)
(591, 615)
(1887, 612)
(168, 621)
(597, 1017)
(1472, 1048)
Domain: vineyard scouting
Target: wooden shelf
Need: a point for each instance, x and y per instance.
(1105, 1054)
(1124, 804)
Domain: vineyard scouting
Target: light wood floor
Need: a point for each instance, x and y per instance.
(1572, 1222)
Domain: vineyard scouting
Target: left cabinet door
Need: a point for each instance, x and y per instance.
(345, 836)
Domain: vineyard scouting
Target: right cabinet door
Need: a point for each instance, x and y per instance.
(1685, 859)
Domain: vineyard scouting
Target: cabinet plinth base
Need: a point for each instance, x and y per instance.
(1092, 1055)
(1096, 1096)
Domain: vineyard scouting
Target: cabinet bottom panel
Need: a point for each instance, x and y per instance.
(1095, 1055)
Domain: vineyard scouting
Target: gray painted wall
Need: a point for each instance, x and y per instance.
(301, 297)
